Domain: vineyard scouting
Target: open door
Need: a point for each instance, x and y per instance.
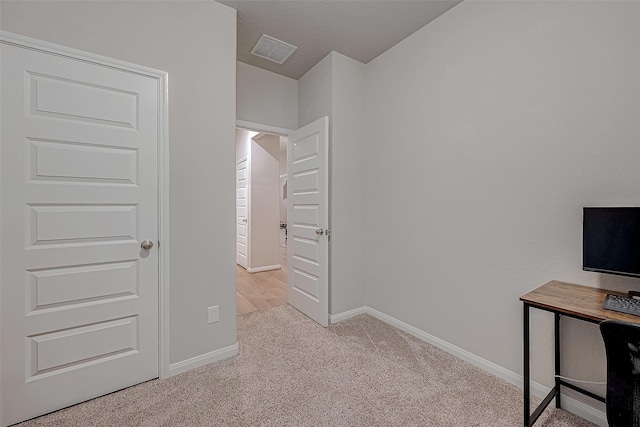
(242, 213)
(308, 220)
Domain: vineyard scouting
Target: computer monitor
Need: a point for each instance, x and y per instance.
(611, 240)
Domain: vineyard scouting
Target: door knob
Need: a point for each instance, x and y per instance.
(319, 231)
(146, 244)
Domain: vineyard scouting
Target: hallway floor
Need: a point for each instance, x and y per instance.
(264, 290)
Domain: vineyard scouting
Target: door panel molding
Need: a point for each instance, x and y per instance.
(161, 77)
(243, 212)
(307, 220)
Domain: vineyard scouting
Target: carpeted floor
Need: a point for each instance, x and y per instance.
(292, 372)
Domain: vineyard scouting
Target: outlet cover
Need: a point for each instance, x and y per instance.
(213, 314)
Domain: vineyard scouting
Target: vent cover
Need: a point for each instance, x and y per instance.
(272, 49)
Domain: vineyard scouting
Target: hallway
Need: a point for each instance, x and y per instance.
(260, 291)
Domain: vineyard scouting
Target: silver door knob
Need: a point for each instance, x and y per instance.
(146, 244)
(319, 231)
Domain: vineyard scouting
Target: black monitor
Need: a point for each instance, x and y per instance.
(611, 240)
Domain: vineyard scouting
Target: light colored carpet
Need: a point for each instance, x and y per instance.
(292, 372)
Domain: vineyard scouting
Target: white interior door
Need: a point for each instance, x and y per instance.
(78, 174)
(308, 220)
(242, 212)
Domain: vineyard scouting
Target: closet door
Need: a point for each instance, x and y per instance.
(79, 197)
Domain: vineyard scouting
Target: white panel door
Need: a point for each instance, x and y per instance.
(78, 294)
(242, 213)
(307, 217)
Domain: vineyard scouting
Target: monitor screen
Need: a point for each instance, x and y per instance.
(611, 240)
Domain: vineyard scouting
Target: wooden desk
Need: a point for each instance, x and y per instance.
(563, 299)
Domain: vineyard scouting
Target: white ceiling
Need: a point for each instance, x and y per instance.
(359, 29)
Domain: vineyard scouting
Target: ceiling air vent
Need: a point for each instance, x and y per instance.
(272, 49)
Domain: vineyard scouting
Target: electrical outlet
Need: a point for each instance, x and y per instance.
(213, 314)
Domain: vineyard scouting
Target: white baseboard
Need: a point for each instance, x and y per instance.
(265, 268)
(583, 410)
(336, 318)
(569, 404)
(203, 359)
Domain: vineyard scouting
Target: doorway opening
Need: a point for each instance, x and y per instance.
(307, 222)
(261, 220)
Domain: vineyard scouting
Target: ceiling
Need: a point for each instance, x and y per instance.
(359, 29)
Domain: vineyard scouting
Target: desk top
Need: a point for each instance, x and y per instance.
(576, 300)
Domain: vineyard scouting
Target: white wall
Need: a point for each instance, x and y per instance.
(283, 155)
(243, 141)
(264, 155)
(314, 92)
(347, 183)
(265, 97)
(487, 132)
(195, 43)
(335, 87)
(265, 212)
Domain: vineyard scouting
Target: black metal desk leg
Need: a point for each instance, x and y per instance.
(526, 372)
(557, 351)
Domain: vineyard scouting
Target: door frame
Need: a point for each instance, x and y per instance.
(260, 127)
(162, 161)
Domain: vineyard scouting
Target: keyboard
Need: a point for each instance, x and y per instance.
(622, 304)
